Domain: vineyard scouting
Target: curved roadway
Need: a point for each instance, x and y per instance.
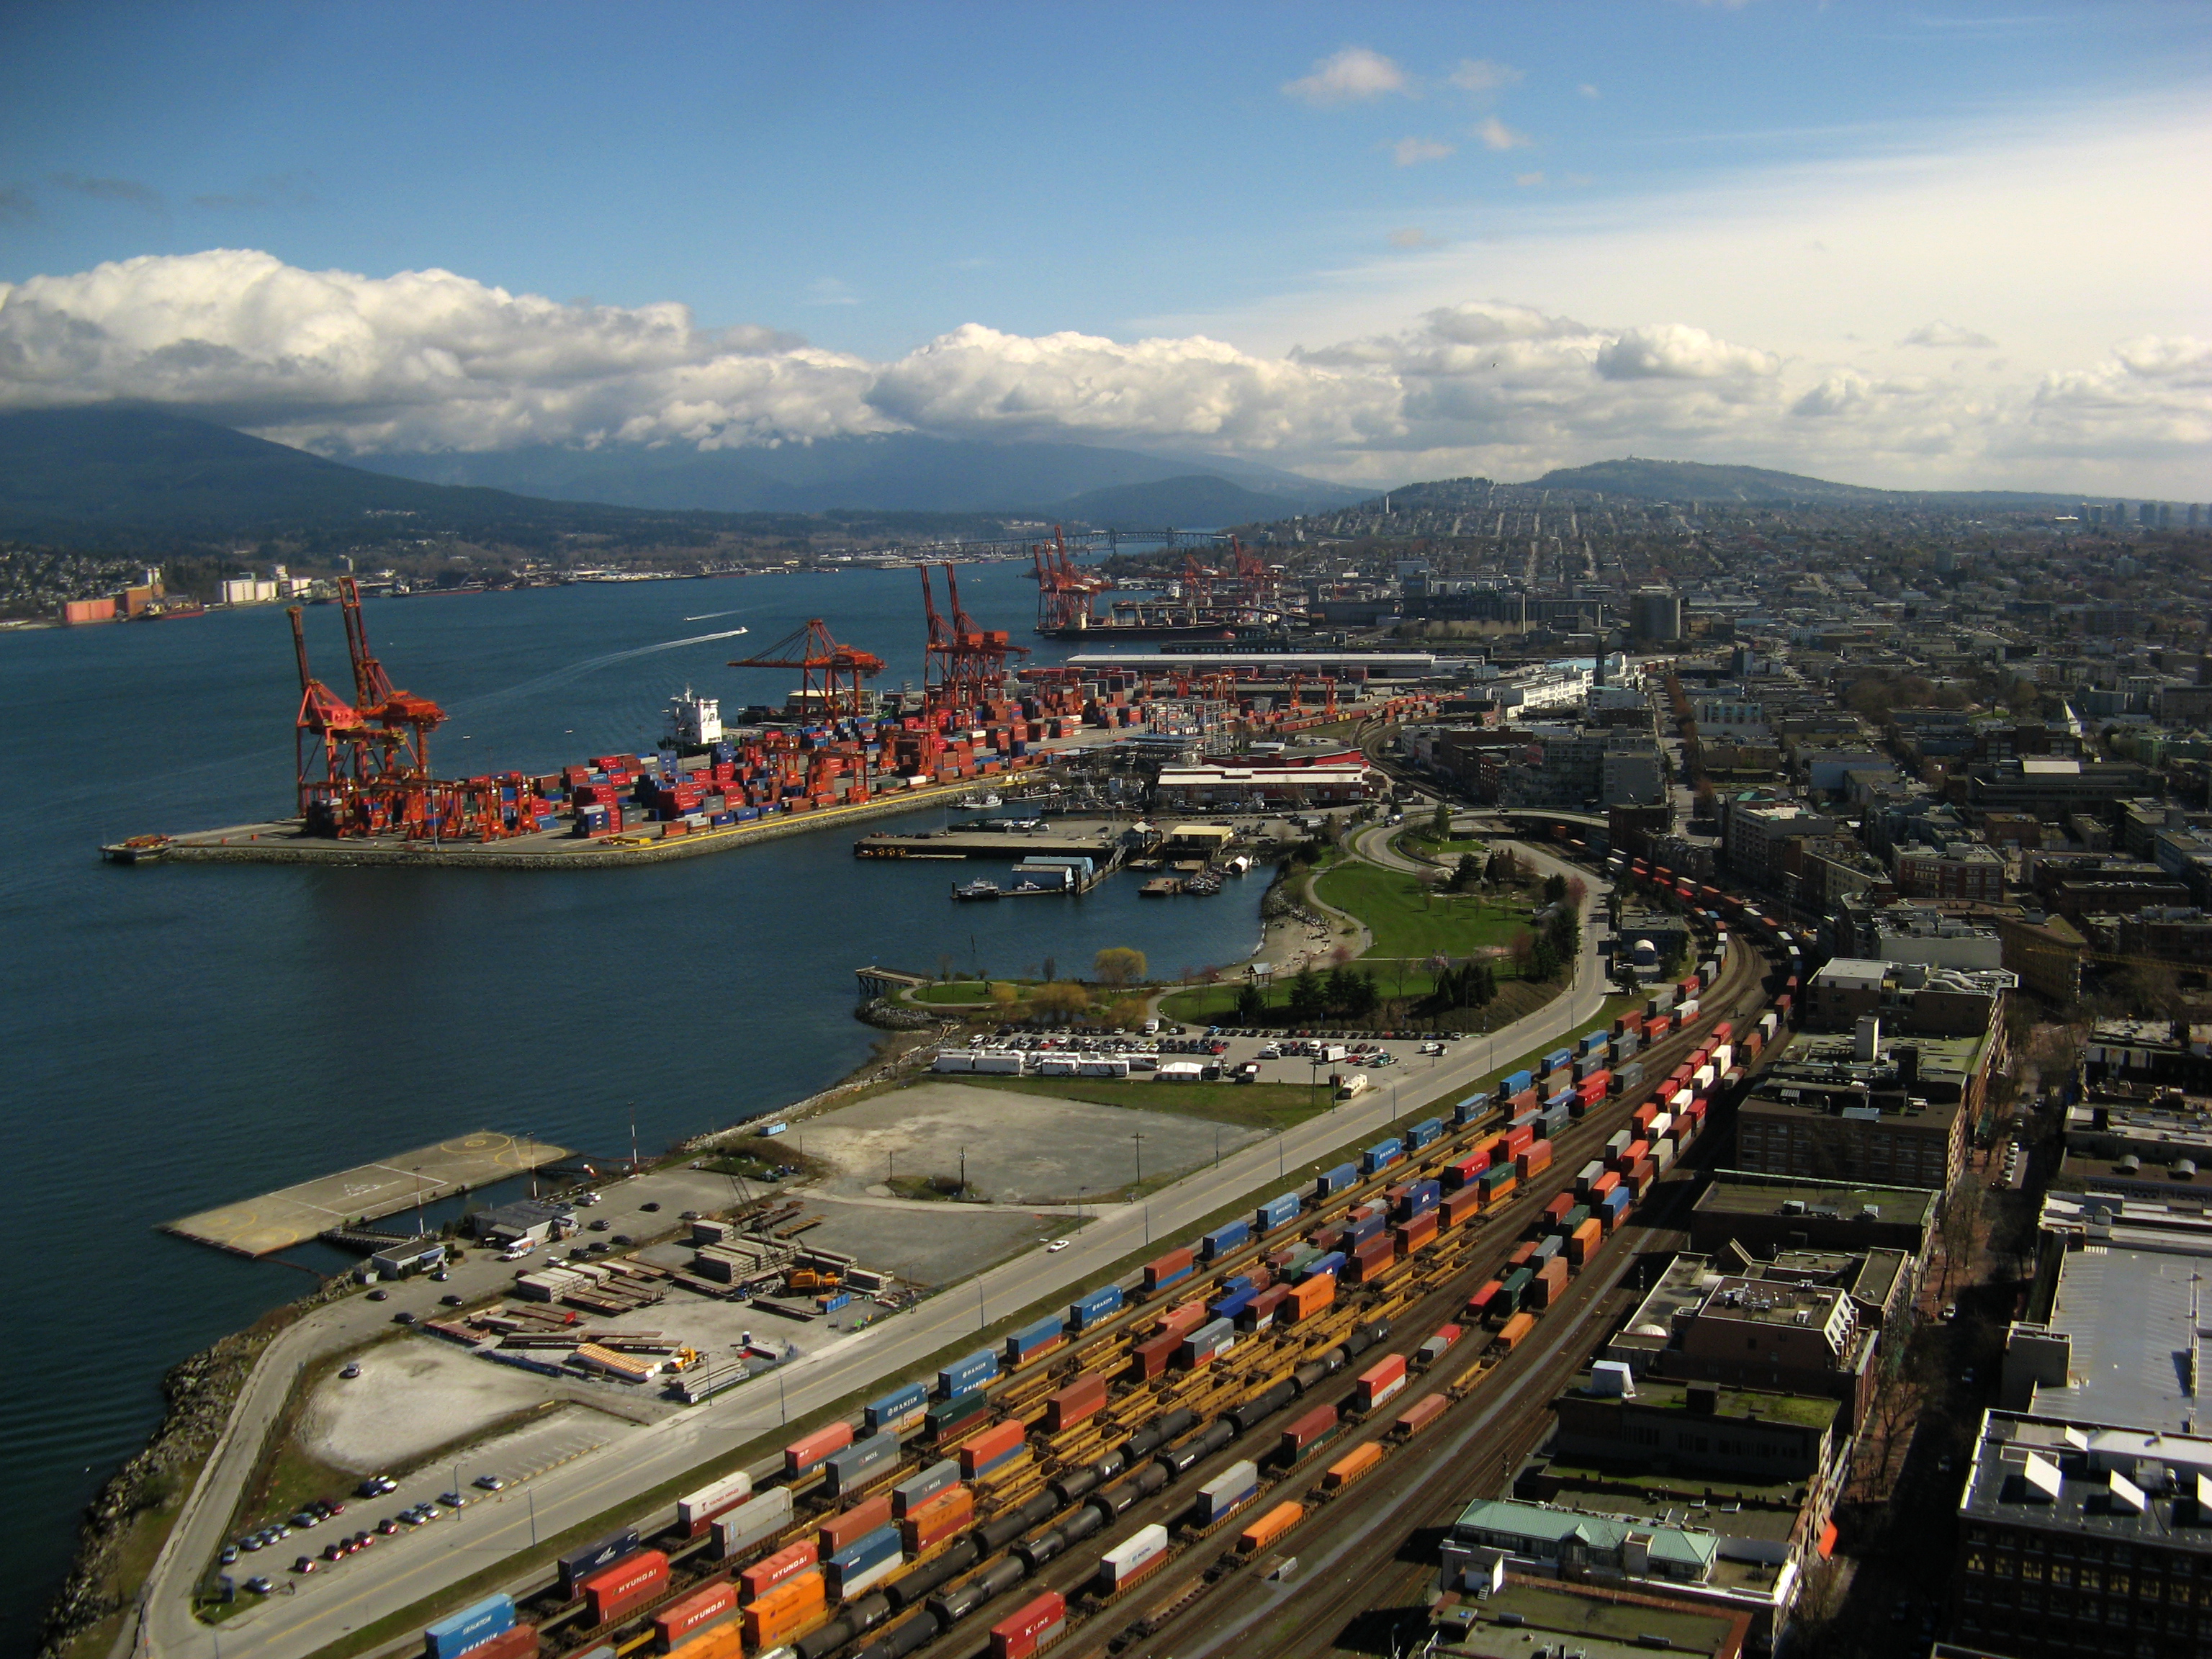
(597, 1485)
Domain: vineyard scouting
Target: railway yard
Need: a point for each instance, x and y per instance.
(1251, 1445)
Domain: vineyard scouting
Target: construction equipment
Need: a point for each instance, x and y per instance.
(835, 693)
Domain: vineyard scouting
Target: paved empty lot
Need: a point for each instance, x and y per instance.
(1021, 1149)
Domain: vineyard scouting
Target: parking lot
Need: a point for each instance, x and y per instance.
(1223, 1052)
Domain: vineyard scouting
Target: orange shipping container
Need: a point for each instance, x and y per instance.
(1311, 1297)
(1269, 1526)
(765, 1575)
(1188, 1317)
(930, 1524)
(993, 1443)
(787, 1612)
(1516, 1327)
(842, 1530)
(1459, 1207)
(1583, 1242)
(1416, 1233)
(1350, 1467)
(1418, 1415)
(724, 1641)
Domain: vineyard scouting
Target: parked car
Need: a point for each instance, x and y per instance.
(490, 1483)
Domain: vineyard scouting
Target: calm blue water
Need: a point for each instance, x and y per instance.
(177, 1037)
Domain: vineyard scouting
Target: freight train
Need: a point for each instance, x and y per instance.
(947, 1494)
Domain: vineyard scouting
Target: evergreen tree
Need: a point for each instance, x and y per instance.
(1307, 1000)
(1251, 1004)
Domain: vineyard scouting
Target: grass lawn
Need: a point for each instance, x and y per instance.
(1408, 920)
(1415, 843)
(1250, 1105)
(956, 993)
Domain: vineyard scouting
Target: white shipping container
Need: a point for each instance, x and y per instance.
(712, 1500)
(953, 1059)
(850, 1584)
(1687, 1012)
(761, 1516)
(1123, 1562)
(1178, 1071)
(1103, 1065)
(1057, 1065)
(1007, 1061)
(1660, 1125)
(1228, 1489)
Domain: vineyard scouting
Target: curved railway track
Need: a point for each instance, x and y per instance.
(1009, 1549)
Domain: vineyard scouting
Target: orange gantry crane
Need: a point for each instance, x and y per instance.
(364, 768)
(829, 674)
(1064, 587)
(963, 665)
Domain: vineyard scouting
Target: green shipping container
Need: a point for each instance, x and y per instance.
(1516, 1292)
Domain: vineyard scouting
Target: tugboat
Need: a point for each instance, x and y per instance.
(977, 889)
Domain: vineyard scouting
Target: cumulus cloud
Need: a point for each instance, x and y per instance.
(428, 360)
(1948, 336)
(1496, 135)
(128, 191)
(1412, 152)
(1676, 351)
(1348, 76)
(1481, 75)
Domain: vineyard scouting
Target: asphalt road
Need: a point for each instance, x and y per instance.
(405, 1571)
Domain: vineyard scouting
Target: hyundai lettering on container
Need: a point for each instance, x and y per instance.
(582, 1562)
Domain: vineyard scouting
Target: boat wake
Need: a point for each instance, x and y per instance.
(711, 615)
(590, 664)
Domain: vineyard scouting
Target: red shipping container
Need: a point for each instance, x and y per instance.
(694, 1613)
(630, 1583)
(1535, 1160)
(1604, 1184)
(1521, 1139)
(930, 1524)
(1644, 1114)
(1379, 1381)
(1266, 1305)
(785, 1564)
(1167, 1266)
(1527, 1101)
(1479, 1304)
(1033, 1626)
(521, 1643)
(995, 1441)
(1557, 1208)
(1073, 1404)
(843, 1529)
(1550, 1282)
(1416, 1233)
(1461, 1206)
(801, 1455)
(1523, 1252)
(1303, 1432)
(1150, 1359)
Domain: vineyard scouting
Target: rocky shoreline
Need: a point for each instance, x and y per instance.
(198, 1394)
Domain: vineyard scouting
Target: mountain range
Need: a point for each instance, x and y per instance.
(1695, 480)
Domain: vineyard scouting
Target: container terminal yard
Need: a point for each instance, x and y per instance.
(1142, 1470)
(367, 793)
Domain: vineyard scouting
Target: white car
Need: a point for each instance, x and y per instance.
(1056, 1244)
(1432, 1048)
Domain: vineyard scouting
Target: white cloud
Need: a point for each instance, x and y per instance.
(1348, 76)
(1529, 181)
(1675, 351)
(1949, 336)
(1412, 152)
(1589, 91)
(428, 360)
(1481, 75)
(1496, 135)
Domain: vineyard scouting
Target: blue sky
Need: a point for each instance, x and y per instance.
(1288, 181)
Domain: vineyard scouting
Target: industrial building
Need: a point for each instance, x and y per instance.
(1768, 1214)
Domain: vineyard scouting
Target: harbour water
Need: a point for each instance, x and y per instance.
(177, 1036)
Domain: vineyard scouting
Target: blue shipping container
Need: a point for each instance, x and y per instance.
(1335, 1181)
(863, 1552)
(1425, 1131)
(1231, 1305)
(1381, 1156)
(469, 1628)
(1359, 1232)
(1470, 1109)
(1276, 1212)
(1100, 1303)
(965, 1375)
(1425, 1196)
(1223, 1239)
(902, 1410)
(1616, 1203)
(1513, 1083)
(1320, 1265)
(1558, 1058)
(585, 1559)
(1034, 1337)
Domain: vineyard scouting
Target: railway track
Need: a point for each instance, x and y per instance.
(1012, 1547)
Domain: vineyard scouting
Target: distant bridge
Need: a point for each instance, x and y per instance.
(1078, 541)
